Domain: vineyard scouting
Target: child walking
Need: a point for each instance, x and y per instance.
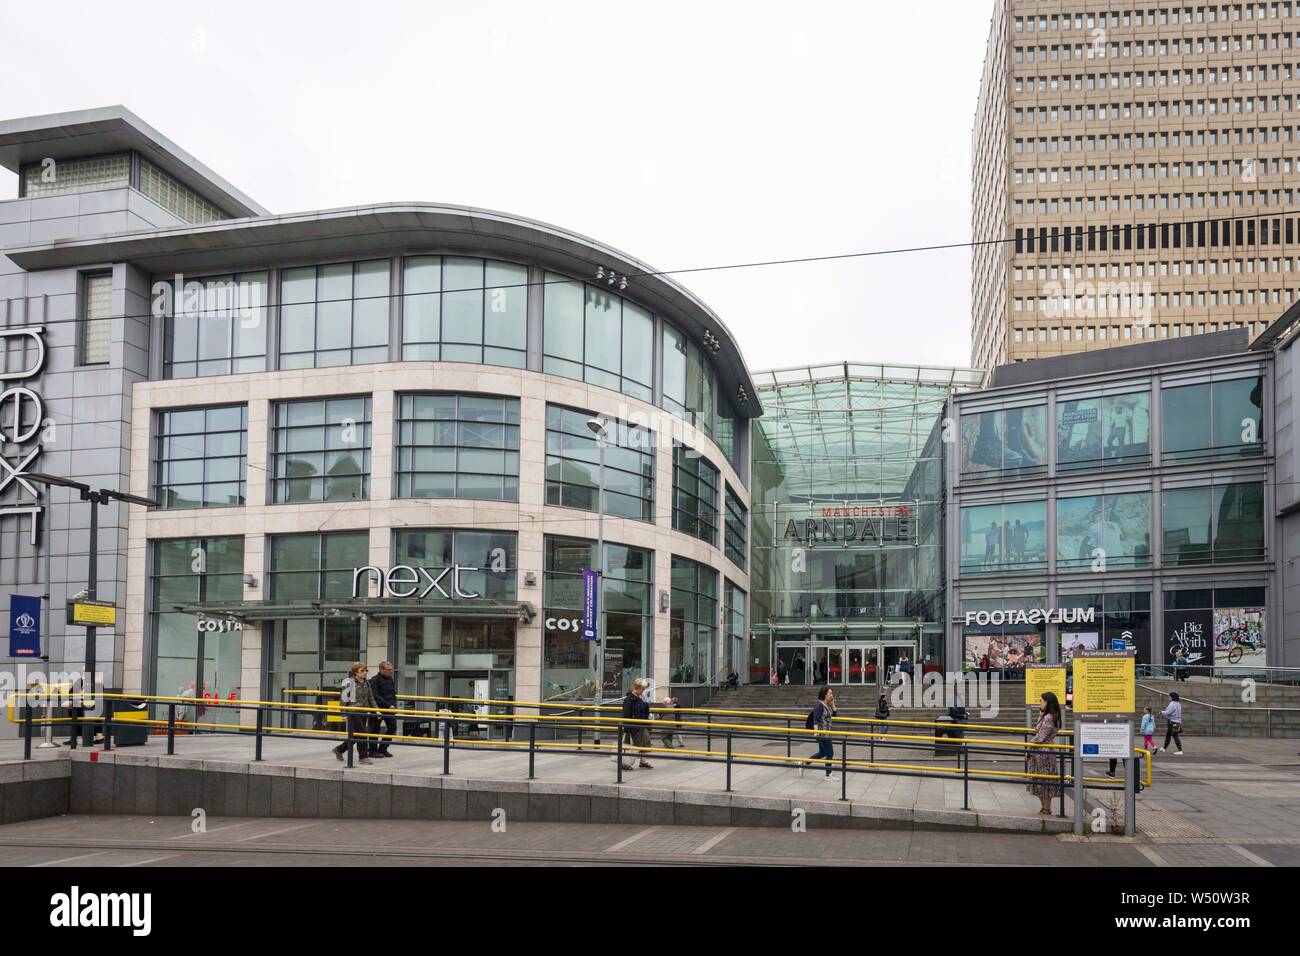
(1148, 729)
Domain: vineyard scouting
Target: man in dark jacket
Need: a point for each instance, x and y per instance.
(636, 707)
(384, 687)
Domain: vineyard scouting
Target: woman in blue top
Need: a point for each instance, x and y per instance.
(1174, 714)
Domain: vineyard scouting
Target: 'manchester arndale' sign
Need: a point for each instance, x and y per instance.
(871, 522)
(404, 581)
(1060, 615)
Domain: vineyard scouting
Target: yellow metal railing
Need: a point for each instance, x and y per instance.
(332, 710)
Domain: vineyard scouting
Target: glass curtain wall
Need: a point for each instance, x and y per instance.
(625, 601)
(310, 652)
(188, 572)
(857, 452)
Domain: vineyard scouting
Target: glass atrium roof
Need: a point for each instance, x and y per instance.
(850, 431)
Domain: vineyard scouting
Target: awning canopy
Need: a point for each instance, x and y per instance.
(253, 611)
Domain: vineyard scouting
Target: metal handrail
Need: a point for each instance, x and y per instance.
(446, 718)
(1215, 708)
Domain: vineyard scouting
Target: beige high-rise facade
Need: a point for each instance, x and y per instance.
(1133, 174)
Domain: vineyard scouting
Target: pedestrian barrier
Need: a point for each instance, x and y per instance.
(728, 731)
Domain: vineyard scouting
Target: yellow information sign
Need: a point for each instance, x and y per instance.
(1040, 678)
(92, 614)
(1105, 682)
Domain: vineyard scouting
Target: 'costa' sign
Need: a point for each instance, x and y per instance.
(1060, 615)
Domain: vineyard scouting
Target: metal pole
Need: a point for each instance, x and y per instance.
(600, 583)
(532, 750)
(108, 730)
(1078, 783)
(92, 592)
(49, 718)
(728, 761)
(787, 736)
(844, 768)
(708, 732)
(619, 756)
(446, 747)
(347, 723)
(171, 729)
(965, 778)
(27, 730)
(257, 750)
(1060, 768)
(1130, 796)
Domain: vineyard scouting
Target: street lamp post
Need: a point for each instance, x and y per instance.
(96, 498)
(598, 429)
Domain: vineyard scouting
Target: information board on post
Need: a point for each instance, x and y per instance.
(1105, 682)
(1105, 741)
(92, 613)
(1041, 678)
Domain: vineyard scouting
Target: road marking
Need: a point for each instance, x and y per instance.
(228, 826)
(152, 859)
(1152, 855)
(70, 859)
(263, 836)
(713, 841)
(622, 844)
(1257, 860)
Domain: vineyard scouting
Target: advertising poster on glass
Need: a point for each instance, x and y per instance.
(1239, 636)
(1189, 631)
(1002, 652)
(1072, 644)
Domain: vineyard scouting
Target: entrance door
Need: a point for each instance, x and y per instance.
(798, 665)
(857, 664)
(897, 654)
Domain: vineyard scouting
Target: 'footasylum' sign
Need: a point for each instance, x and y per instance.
(404, 581)
(1038, 615)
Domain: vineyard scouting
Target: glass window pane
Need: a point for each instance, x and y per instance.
(1185, 418)
(563, 330)
(603, 330)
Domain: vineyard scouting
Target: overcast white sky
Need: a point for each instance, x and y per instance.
(684, 133)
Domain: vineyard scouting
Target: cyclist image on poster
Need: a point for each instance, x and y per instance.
(1239, 635)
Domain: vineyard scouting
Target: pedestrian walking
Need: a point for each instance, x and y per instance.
(1148, 729)
(356, 692)
(1180, 664)
(819, 719)
(1040, 760)
(1173, 713)
(636, 707)
(384, 688)
(671, 734)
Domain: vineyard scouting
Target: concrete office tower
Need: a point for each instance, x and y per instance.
(1138, 160)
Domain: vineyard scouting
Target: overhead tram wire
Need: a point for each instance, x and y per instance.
(1056, 233)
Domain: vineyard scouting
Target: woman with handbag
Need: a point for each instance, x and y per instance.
(1041, 760)
(1174, 714)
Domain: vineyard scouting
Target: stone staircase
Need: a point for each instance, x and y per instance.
(1198, 718)
(799, 699)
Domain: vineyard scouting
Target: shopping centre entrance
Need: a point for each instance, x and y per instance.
(845, 662)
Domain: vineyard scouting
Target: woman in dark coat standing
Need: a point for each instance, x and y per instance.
(1040, 760)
